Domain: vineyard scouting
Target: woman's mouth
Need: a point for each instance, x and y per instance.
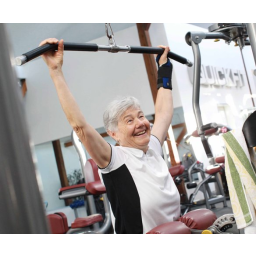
(140, 133)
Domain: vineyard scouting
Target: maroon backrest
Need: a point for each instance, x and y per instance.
(91, 171)
(93, 182)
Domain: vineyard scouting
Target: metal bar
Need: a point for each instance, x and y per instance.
(21, 205)
(92, 209)
(198, 36)
(251, 30)
(107, 222)
(80, 151)
(195, 98)
(217, 35)
(25, 57)
(196, 87)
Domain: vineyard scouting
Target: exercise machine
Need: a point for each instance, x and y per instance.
(213, 172)
(92, 187)
(200, 221)
(240, 33)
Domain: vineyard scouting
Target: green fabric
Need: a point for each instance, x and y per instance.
(239, 189)
(239, 152)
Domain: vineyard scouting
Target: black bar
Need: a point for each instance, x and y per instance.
(157, 50)
(94, 47)
(209, 126)
(67, 46)
(206, 146)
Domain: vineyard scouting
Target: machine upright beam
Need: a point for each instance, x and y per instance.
(21, 206)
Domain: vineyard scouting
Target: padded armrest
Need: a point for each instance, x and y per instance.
(95, 188)
(198, 219)
(220, 159)
(214, 169)
(87, 221)
(71, 187)
(72, 191)
(206, 133)
(174, 227)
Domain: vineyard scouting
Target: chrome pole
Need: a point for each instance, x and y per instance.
(251, 30)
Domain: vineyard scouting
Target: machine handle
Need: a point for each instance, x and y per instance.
(25, 57)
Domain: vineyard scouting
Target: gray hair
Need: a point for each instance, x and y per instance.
(115, 109)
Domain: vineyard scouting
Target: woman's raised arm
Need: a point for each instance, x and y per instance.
(164, 101)
(96, 146)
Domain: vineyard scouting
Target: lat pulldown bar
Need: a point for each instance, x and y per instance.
(94, 48)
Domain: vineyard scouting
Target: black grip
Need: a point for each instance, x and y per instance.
(39, 50)
(67, 46)
(157, 50)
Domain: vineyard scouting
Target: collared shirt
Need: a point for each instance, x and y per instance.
(140, 189)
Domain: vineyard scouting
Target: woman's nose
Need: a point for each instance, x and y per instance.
(139, 122)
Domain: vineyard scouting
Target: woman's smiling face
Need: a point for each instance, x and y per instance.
(133, 129)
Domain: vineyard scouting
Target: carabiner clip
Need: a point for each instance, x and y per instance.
(110, 36)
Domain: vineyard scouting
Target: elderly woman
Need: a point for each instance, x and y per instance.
(140, 189)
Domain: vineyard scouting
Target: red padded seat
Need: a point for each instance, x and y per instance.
(87, 221)
(174, 227)
(176, 170)
(198, 219)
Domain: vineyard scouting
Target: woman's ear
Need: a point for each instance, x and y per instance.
(112, 135)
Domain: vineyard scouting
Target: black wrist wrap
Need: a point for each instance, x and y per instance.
(165, 76)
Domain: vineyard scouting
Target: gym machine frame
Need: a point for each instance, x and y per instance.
(237, 32)
(22, 209)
